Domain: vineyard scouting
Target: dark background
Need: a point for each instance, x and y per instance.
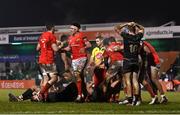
(17, 13)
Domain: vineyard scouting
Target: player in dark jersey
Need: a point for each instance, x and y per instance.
(61, 60)
(65, 93)
(132, 34)
(97, 94)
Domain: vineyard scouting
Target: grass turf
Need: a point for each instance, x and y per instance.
(28, 107)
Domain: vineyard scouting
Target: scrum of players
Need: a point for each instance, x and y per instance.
(73, 72)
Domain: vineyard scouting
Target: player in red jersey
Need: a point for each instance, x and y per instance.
(113, 74)
(153, 65)
(47, 46)
(77, 46)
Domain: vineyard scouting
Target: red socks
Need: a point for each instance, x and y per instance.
(150, 90)
(45, 88)
(79, 87)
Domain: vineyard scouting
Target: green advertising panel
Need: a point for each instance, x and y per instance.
(172, 44)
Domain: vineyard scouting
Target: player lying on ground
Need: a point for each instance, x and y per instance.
(65, 93)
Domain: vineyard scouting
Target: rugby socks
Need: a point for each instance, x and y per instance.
(45, 88)
(44, 92)
(136, 97)
(150, 90)
(130, 99)
(45, 95)
(155, 92)
(136, 100)
(79, 87)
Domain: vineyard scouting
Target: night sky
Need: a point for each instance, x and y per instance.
(17, 13)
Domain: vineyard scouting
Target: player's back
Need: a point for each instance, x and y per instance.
(46, 53)
(131, 46)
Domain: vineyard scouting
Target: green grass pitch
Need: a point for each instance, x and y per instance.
(27, 107)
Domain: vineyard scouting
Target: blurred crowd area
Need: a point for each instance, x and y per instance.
(19, 71)
(29, 71)
(173, 72)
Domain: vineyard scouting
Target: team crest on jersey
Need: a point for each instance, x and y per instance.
(78, 39)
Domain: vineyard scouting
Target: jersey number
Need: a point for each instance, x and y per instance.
(133, 48)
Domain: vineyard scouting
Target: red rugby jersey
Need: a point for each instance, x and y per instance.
(114, 55)
(77, 43)
(46, 52)
(153, 51)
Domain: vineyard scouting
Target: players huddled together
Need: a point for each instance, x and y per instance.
(70, 73)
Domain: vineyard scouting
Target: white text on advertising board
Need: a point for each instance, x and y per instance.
(4, 39)
(158, 33)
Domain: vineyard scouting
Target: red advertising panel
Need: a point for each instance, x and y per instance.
(91, 35)
(16, 84)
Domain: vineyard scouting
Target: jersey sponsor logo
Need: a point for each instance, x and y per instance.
(99, 55)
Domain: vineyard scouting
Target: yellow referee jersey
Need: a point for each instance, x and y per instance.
(97, 54)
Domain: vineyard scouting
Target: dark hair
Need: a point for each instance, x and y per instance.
(49, 26)
(99, 37)
(64, 37)
(112, 39)
(106, 41)
(77, 25)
